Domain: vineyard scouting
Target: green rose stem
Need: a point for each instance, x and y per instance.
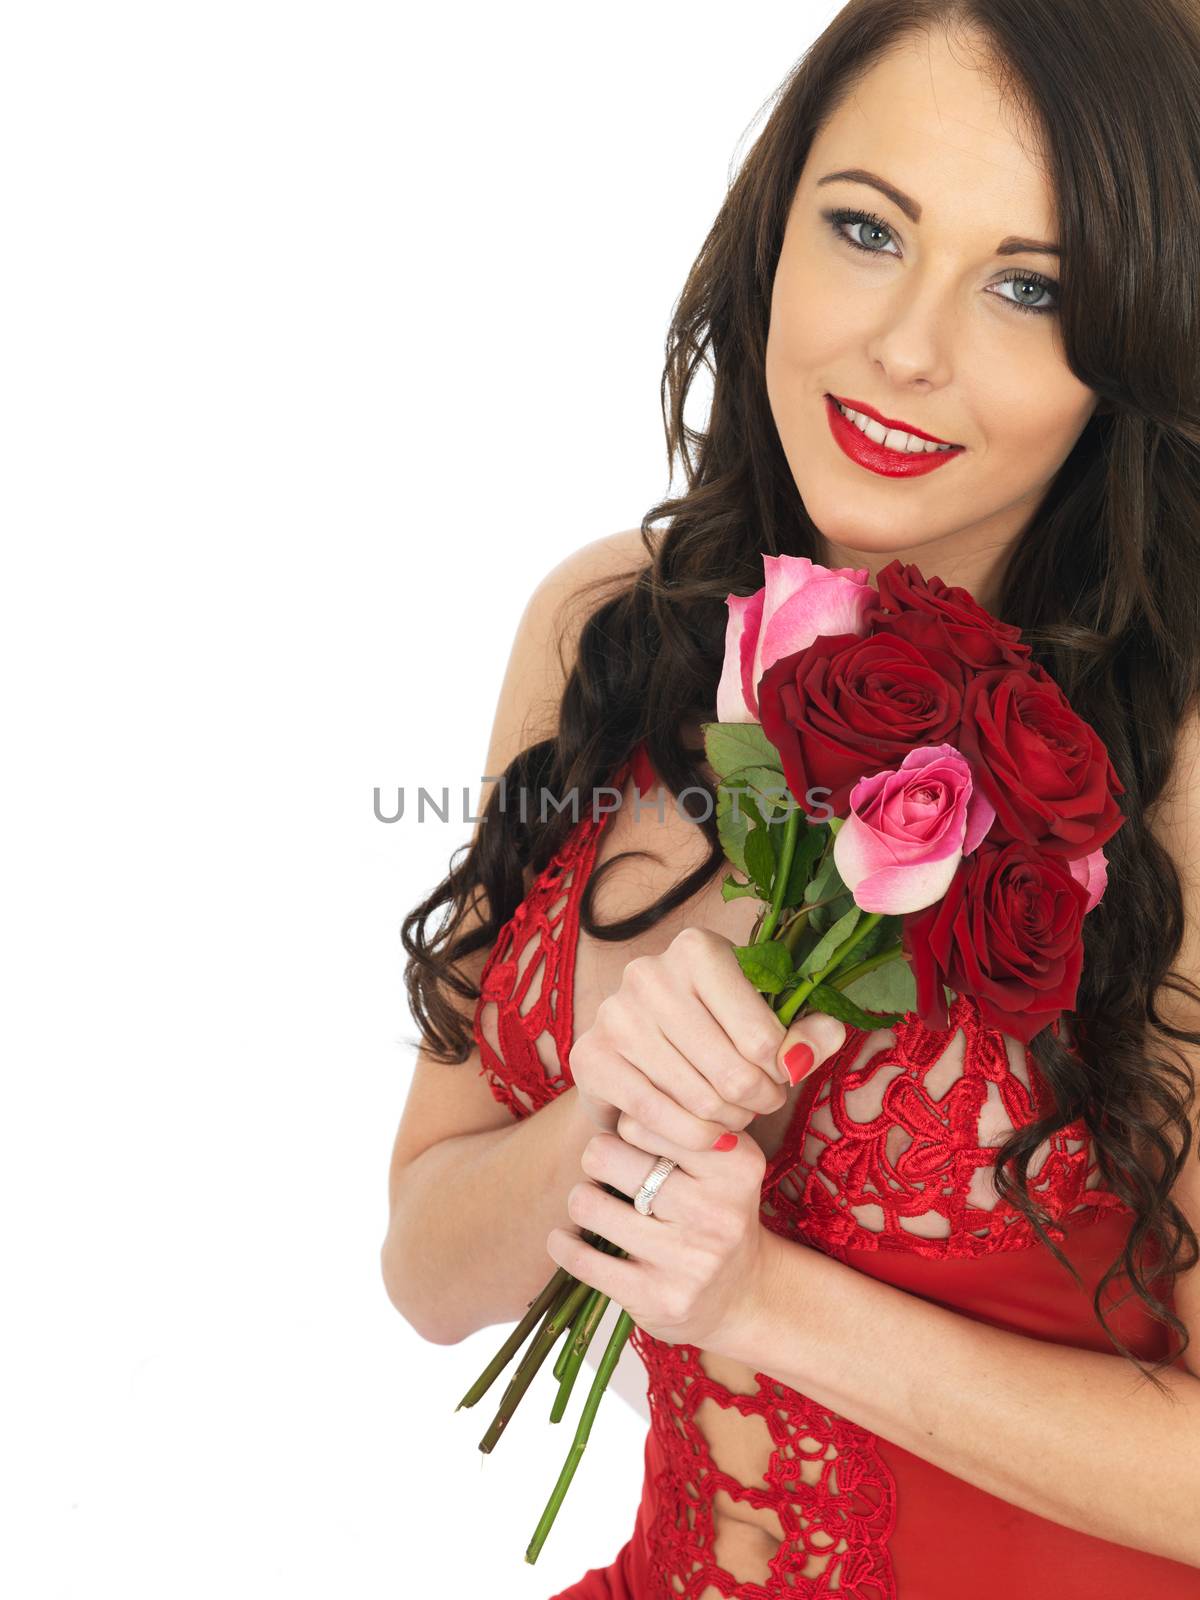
(795, 927)
(546, 1301)
(562, 1313)
(575, 1325)
(604, 1371)
(572, 1330)
(544, 1341)
(843, 980)
(555, 1291)
(791, 829)
(802, 990)
(575, 1350)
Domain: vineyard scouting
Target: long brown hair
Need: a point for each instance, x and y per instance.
(1104, 582)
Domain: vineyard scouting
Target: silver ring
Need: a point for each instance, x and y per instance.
(643, 1200)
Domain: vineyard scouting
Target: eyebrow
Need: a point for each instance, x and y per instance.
(1011, 246)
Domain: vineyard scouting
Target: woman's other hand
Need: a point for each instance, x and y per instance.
(689, 1049)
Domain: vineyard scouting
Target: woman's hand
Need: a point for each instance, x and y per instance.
(688, 1036)
(686, 1046)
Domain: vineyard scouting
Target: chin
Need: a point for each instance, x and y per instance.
(853, 539)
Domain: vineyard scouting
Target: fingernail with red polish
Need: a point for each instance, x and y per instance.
(798, 1060)
(725, 1141)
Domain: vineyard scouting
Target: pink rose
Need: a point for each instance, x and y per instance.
(1092, 872)
(909, 828)
(799, 601)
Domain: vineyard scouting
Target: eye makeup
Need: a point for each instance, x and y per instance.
(841, 217)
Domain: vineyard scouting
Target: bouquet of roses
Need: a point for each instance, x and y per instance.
(920, 812)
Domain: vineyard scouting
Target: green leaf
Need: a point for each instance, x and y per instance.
(809, 844)
(883, 934)
(760, 859)
(891, 987)
(768, 966)
(827, 882)
(834, 824)
(824, 917)
(730, 745)
(836, 1004)
(766, 801)
(827, 886)
(732, 829)
(766, 786)
(807, 942)
(775, 831)
(745, 799)
(731, 889)
(754, 817)
(824, 951)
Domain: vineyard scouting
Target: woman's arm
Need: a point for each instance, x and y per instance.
(466, 1242)
(471, 1193)
(1073, 1435)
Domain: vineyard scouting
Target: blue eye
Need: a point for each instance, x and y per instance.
(843, 217)
(1043, 285)
(857, 218)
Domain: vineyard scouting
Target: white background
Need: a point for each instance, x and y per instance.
(328, 330)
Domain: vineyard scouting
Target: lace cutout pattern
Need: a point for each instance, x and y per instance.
(897, 1151)
(830, 1498)
(524, 1016)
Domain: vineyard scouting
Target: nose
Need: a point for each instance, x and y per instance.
(910, 344)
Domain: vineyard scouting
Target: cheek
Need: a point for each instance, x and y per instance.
(813, 326)
(1031, 422)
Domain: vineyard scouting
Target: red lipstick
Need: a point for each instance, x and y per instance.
(877, 457)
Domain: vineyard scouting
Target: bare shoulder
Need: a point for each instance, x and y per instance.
(1175, 822)
(572, 590)
(613, 555)
(547, 638)
(1175, 816)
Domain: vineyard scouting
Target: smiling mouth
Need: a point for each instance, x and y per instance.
(883, 449)
(904, 440)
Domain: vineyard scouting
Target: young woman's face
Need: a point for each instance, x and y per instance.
(911, 317)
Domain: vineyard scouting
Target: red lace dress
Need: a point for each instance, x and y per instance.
(885, 1166)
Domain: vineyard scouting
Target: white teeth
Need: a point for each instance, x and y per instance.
(890, 438)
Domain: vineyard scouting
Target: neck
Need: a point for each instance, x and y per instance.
(978, 570)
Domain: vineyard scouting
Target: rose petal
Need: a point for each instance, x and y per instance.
(802, 601)
(1092, 872)
(735, 701)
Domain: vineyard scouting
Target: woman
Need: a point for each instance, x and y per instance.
(931, 1322)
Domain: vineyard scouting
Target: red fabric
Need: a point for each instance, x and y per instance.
(882, 1167)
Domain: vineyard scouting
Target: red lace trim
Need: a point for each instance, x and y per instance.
(833, 1164)
(833, 1494)
(526, 1006)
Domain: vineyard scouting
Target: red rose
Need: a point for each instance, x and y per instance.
(847, 707)
(1009, 932)
(1040, 764)
(945, 617)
